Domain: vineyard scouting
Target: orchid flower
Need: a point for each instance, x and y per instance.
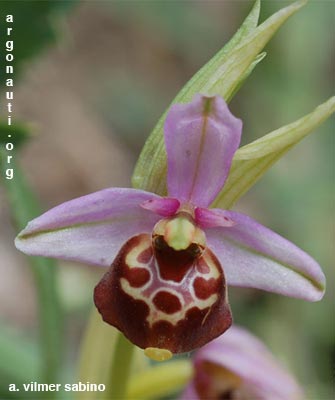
(171, 258)
(238, 366)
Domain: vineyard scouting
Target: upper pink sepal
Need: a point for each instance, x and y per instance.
(166, 207)
(212, 218)
(201, 138)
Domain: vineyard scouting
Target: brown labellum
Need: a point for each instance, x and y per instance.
(163, 298)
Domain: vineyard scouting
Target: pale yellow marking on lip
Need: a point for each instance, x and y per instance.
(131, 258)
(157, 354)
(213, 269)
(156, 315)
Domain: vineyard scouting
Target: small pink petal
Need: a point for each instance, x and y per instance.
(89, 229)
(254, 256)
(166, 207)
(213, 218)
(201, 138)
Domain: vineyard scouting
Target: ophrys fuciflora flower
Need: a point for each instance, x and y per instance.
(171, 258)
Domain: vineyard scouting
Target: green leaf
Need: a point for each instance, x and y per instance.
(253, 160)
(228, 76)
(34, 28)
(24, 207)
(19, 133)
(222, 75)
(19, 362)
(248, 25)
(257, 60)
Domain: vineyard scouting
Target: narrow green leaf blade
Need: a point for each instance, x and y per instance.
(18, 356)
(248, 25)
(253, 160)
(222, 75)
(225, 79)
(24, 207)
(244, 77)
(16, 134)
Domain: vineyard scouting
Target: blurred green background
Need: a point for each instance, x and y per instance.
(91, 80)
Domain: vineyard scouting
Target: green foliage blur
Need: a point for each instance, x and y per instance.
(34, 28)
(156, 47)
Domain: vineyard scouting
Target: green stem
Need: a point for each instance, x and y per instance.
(120, 368)
(106, 357)
(96, 353)
(161, 380)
